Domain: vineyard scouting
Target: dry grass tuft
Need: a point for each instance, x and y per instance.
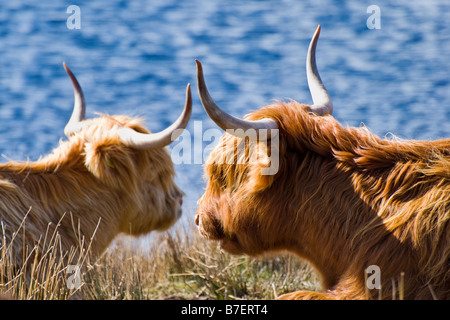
(177, 264)
(181, 265)
(45, 270)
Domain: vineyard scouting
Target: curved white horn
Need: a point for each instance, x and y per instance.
(79, 106)
(163, 138)
(227, 121)
(322, 101)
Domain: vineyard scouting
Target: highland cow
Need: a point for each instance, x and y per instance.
(344, 199)
(111, 176)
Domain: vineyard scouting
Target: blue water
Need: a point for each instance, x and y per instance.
(136, 57)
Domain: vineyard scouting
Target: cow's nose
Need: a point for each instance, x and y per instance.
(197, 218)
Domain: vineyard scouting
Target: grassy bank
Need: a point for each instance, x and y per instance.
(177, 264)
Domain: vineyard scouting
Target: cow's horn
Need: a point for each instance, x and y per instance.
(322, 101)
(227, 122)
(163, 138)
(79, 106)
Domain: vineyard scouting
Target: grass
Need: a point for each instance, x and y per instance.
(177, 264)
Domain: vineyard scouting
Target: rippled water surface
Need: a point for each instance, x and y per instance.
(136, 57)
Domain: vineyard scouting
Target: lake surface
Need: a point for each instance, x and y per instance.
(136, 57)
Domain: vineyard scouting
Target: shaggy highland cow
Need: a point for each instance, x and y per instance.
(111, 176)
(344, 199)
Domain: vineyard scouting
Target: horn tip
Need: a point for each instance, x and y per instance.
(188, 104)
(317, 31)
(199, 64)
(188, 91)
(68, 71)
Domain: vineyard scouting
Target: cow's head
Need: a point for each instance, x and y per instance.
(120, 154)
(246, 210)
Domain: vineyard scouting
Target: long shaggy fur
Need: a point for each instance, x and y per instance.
(344, 199)
(88, 190)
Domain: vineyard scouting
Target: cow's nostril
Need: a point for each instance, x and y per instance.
(197, 218)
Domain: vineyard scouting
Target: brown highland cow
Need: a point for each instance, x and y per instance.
(361, 209)
(111, 176)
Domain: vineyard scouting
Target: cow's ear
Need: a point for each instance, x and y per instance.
(264, 162)
(112, 163)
